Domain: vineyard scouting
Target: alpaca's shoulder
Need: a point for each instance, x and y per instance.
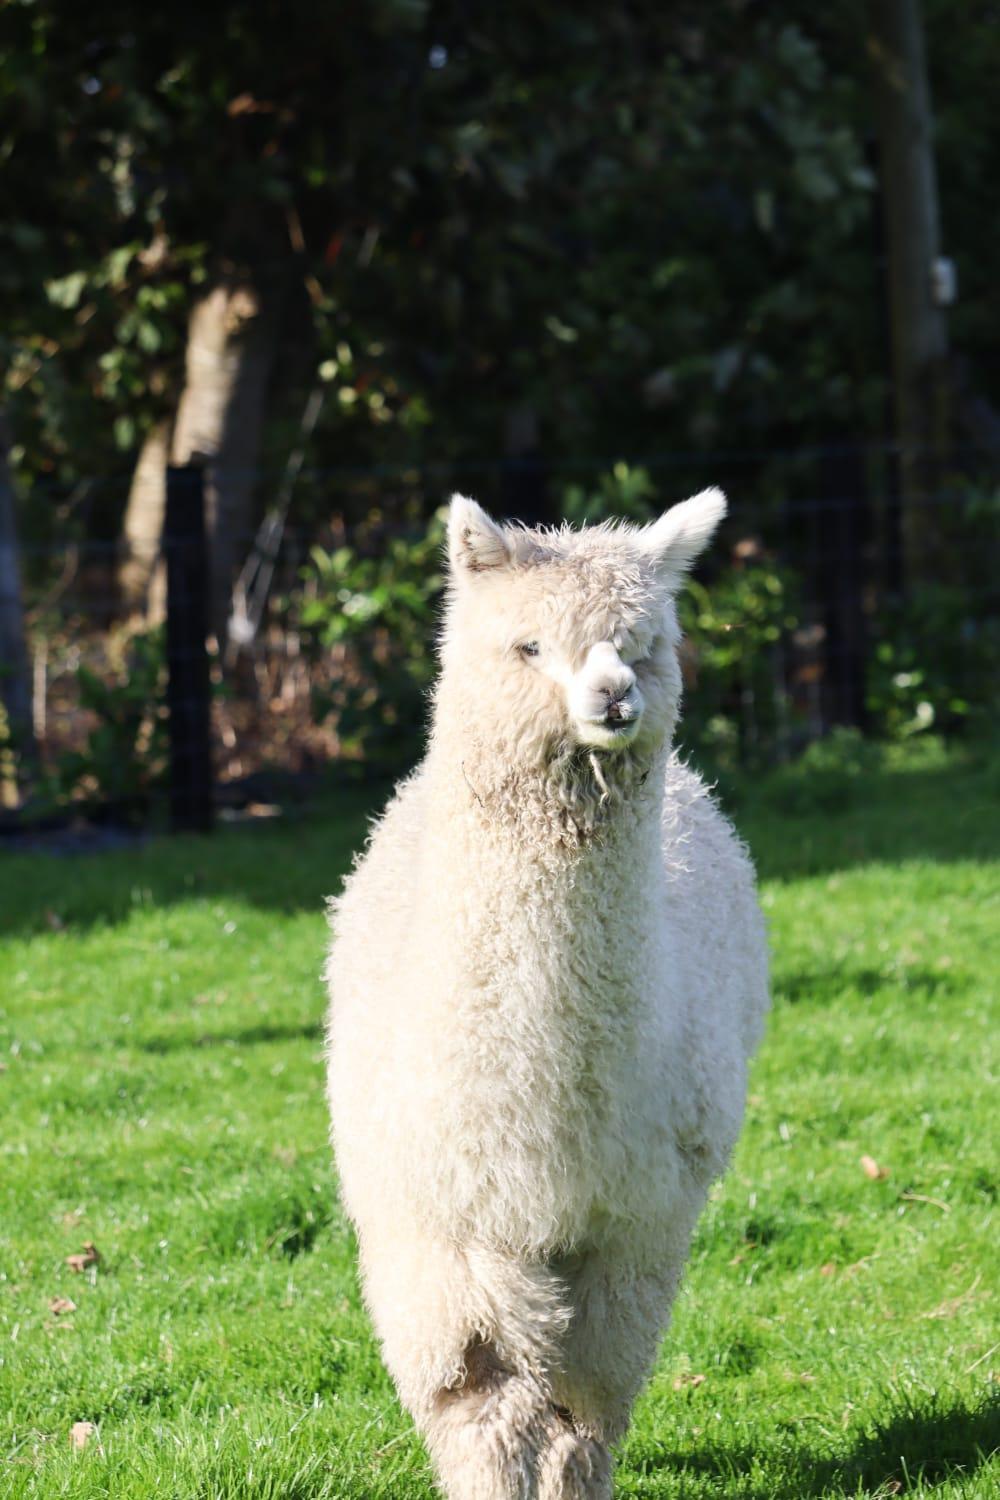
(713, 902)
(386, 861)
(695, 829)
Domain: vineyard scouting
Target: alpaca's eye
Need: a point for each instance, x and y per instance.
(529, 648)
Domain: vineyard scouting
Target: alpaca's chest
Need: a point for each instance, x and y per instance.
(551, 1095)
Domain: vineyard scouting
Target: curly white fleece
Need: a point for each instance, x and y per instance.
(547, 976)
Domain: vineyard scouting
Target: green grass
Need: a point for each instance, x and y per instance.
(160, 1015)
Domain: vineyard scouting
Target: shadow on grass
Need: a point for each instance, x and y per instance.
(285, 866)
(919, 1445)
(253, 1036)
(945, 813)
(823, 985)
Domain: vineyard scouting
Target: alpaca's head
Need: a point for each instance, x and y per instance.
(558, 639)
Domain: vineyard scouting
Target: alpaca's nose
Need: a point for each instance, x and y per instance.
(604, 698)
(608, 674)
(610, 688)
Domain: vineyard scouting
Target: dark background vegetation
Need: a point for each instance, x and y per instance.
(577, 260)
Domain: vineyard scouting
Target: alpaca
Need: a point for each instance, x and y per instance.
(548, 974)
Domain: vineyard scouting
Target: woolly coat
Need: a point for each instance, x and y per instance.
(545, 989)
(531, 1052)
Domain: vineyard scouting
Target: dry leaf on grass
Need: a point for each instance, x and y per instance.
(80, 1434)
(89, 1256)
(829, 1269)
(923, 1198)
(871, 1169)
(952, 1305)
(59, 1305)
(689, 1380)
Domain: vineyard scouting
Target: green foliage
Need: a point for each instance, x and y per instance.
(934, 664)
(829, 776)
(124, 757)
(736, 712)
(557, 207)
(371, 614)
(161, 1036)
(627, 492)
(654, 229)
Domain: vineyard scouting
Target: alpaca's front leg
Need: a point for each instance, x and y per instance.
(488, 1434)
(469, 1338)
(499, 1437)
(576, 1464)
(620, 1311)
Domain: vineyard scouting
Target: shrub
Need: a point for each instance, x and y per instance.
(373, 614)
(934, 664)
(735, 629)
(125, 755)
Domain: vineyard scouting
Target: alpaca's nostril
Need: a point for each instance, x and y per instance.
(620, 714)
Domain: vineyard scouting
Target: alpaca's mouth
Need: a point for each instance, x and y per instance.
(619, 722)
(608, 733)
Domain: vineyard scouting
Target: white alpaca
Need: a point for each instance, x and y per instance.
(548, 974)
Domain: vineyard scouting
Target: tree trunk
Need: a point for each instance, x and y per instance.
(141, 574)
(232, 336)
(919, 335)
(15, 676)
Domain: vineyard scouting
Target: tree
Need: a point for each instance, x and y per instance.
(230, 351)
(919, 333)
(645, 226)
(140, 577)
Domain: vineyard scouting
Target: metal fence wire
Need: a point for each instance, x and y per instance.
(801, 620)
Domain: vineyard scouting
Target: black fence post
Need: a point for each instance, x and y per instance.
(188, 682)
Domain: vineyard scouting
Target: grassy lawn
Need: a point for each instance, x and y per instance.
(161, 1081)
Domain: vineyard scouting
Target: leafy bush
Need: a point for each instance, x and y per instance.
(934, 665)
(733, 629)
(125, 755)
(828, 776)
(370, 608)
(626, 491)
(373, 613)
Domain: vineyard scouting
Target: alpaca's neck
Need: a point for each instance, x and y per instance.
(551, 810)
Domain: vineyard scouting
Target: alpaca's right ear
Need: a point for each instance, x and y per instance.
(475, 542)
(683, 532)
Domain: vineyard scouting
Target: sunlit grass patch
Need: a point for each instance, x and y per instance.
(160, 1037)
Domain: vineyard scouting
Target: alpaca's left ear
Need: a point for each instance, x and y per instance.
(683, 532)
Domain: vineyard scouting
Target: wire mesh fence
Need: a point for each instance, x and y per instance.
(805, 617)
